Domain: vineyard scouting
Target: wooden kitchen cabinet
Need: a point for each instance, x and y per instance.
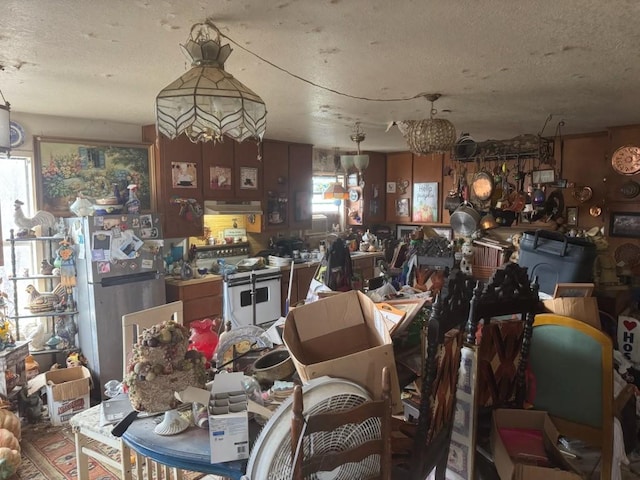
(275, 178)
(364, 267)
(366, 204)
(300, 186)
(302, 276)
(399, 172)
(169, 155)
(202, 298)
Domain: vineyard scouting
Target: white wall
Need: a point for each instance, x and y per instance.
(75, 128)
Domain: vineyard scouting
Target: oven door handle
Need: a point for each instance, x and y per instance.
(235, 282)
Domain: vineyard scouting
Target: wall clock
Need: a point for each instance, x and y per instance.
(16, 134)
(626, 160)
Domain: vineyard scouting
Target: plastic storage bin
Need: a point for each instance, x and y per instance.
(555, 258)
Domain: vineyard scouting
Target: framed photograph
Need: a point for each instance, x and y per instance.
(402, 207)
(446, 232)
(248, 178)
(425, 202)
(391, 187)
(572, 216)
(573, 290)
(220, 178)
(543, 176)
(68, 167)
(624, 224)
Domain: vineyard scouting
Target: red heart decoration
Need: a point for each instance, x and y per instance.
(630, 325)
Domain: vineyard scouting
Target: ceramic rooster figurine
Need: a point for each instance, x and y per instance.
(42, 218)
(45, 301)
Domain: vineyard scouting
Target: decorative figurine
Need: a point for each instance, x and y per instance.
(42, 218)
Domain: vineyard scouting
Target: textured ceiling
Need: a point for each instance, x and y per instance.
(502, 66)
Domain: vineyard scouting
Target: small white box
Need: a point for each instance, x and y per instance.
(228, 431)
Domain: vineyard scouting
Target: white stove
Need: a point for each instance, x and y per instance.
(207, 256)
(252, 297)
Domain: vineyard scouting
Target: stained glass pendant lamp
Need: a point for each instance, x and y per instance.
(207, 102)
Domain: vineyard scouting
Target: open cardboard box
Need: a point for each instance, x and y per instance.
(509, 468)
(343, 336)
(67, 392)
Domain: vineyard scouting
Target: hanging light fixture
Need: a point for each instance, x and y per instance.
(433, 135)
(207, 103)
(5, 126)
(359, 161)
(336, 190)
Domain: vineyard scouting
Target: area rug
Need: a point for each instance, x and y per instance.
(48, 453)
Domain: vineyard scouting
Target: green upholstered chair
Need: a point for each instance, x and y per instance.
(571, 377)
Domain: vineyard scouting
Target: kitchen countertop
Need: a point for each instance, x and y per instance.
(212, 277)
(312, 263)
(183, 283)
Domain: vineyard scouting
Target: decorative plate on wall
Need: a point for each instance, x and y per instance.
(626, 160)
(16, 134)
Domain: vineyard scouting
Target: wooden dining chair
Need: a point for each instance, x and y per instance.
(303, 428)
(431, 436)
(505, 307)
(571, 377)
(132, 326)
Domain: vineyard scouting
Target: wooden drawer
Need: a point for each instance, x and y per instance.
(202, 308)
(190, 292)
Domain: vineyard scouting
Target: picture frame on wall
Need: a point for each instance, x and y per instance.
(66, 168)
(624, 224)
(402, 207)
(220, 178)
(425, 202)
(248, 178)
(572, 216)
(184, 175)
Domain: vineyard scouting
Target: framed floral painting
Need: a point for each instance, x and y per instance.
(95, 169)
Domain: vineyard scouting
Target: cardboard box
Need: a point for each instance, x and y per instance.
(343, 336)
(67, 393)
(584, 309)
(512, 469)
(228, 419)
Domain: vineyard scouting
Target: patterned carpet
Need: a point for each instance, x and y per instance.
(48, 453)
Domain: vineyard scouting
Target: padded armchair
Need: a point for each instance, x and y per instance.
(571, 377)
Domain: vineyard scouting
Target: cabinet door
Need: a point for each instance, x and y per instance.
(300, 186)
(178, 175)
(219, 176)
(303, 280)
(373, 194)
(247, 171)
(399, 173)
(275, 164)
